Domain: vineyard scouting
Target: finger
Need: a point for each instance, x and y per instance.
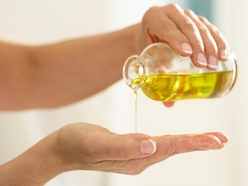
(221, 136)
(190, 30)
(170, 33)
(164, 29)
(123, 147)
(210, 46)
(166, 147)
(170, 145)
(222, 45)
(169, 103)
(188, 143)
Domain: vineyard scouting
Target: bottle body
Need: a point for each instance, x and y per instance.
(163, 75)
(162, 87)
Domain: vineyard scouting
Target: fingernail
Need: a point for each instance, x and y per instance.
(201, 59)
(224, 53)
(147, 146)
(212, 62)
(186, 48)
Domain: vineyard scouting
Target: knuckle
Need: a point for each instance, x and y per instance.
(189, 12)
(199, 45)
(203, 30)
(203, 19)
(150, 13)
(175, 6)
(171, 145)
(216, 31)
(189, 24)
(152, 9)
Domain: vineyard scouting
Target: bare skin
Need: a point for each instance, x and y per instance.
(83, 146)
(58, 74)
(62, 73)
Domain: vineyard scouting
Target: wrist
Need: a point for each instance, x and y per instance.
(138, 38)
(132, 39)
(36, 166)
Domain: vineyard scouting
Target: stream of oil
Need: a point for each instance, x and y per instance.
(135, 107)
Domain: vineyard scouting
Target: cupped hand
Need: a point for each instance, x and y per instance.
(91, 147)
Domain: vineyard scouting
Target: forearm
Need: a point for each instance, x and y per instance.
(66, 72)
(36, 166)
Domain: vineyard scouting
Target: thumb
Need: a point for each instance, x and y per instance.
(128, 146)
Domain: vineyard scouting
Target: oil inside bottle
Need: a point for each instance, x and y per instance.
(164, 87)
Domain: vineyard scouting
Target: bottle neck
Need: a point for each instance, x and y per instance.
(134, 72)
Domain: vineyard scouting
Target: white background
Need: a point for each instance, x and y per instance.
(43, 21)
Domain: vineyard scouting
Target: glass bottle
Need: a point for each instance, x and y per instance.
(164, 75)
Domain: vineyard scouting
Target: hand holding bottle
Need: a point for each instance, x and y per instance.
(188, 34)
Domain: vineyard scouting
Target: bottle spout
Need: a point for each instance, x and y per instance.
(134, 72)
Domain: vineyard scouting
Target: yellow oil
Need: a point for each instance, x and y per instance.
(163, 87)
(135, 107)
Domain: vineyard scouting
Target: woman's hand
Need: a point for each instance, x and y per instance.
(91, 147)
(83, 146)
(189, 34)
